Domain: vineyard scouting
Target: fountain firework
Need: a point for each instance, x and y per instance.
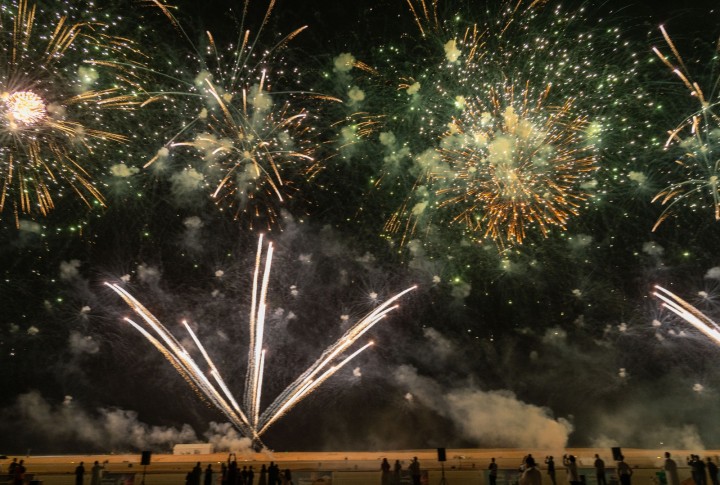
(247, 418)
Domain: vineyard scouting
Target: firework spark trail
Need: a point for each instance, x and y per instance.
(688, 313)
(253, 381)
(253, 423)
(308, 387)
(302, 385)
(701, 147)
(183, 362)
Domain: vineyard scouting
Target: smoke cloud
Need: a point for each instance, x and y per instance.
(493, 417)
(107, 429)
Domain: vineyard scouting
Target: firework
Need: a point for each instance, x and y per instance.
(688, 313)
(698, 140)
(250, 143)
(51, 122)
(514, 164)
(247, 418)
(523, 83)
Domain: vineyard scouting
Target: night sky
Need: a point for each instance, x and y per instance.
(374, 157)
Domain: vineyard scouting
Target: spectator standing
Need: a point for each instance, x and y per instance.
(19, 473)
(671, 472)
(692, 463)
(397, 471)
(415, 470)
(273, 474)
(197, 474)
(262, 479)
(551, 468)
(599, 465)
(531, 475)
(712, 469)
(208, 475)
(624, 471)
(80, 474)
(493, 471)
(571, 469)
(287, 477)
(96, 473)
(701, 470)
(385, 469)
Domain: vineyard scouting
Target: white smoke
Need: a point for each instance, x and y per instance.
(653, 249)
(356, 95)
(149, 275)
(344, 62)
(186, 182)
(69, 270)
(414, 88)
(637, 177)
(109, 429)
(496, 417)
(81, 344)
(452, 53)
(579, 241)
(713, 273)
(443, 347)
(29, 226)
(224, 437)
(123, 171)
(430, 161)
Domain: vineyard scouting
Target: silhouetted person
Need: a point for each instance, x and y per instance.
(250, 476)
(233, 473)
(701, 471)
(397, 471)
(493, 471)
(385, 468)
(262, 479)
(223, 474)
(692, 462)
(531, 475)
(671, 471)
(287, 477)
(273, 474)
(571, 469)
(79, 474)
(19, 473)
(12, 466)
(196, 474)
(599, 465)
(551, 468)
(624, 472)
(96, 473)
(712, 469)
(415, 470)
(208, 475)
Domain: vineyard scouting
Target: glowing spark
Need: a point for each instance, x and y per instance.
(23, 107)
